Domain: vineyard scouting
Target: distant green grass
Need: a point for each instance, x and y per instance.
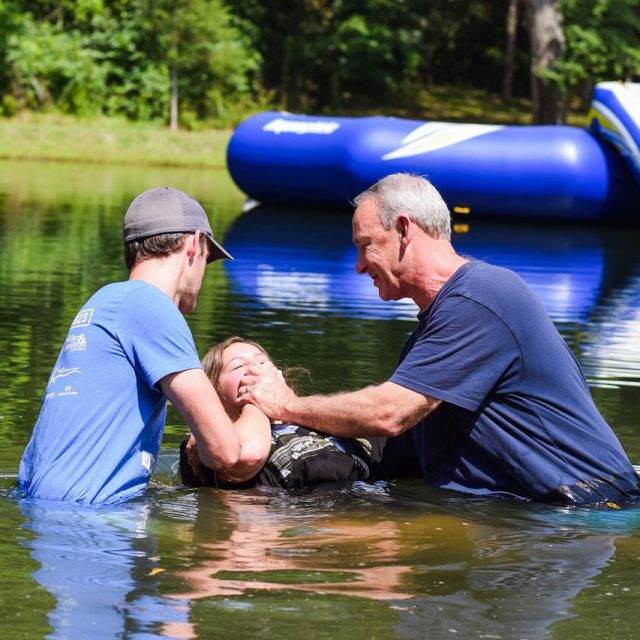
(109, 140)
(57, 137)
(457, 104)
(476, 105)
(473, 105)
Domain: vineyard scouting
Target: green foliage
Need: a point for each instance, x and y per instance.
(56, 67)
(226, 58)
(116, 57)
(9, 106)
(354, 55)
(214, 64)
(328, 53)
(460, 40)
(376, 57)
(602, 43)
(9, 19)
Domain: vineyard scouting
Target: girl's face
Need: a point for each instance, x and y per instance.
(237, 357)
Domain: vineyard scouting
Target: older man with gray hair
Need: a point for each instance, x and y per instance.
(493, 400)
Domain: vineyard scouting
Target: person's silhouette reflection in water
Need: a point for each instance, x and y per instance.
(99, 565)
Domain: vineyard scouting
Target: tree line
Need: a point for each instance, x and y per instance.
(196, 62)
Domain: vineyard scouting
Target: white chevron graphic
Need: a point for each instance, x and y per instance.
(438, 135)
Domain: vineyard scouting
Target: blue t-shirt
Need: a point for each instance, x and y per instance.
(99, 430)
(517, 416)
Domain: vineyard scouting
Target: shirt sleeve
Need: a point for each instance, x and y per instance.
(463, 354)
(155, 336)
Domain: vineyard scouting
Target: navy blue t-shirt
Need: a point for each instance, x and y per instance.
(517, 416)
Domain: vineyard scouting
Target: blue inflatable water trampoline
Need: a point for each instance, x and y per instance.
(544, 172)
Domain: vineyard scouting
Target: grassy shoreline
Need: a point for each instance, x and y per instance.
(55, 137)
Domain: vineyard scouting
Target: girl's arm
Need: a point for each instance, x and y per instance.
(253, 430)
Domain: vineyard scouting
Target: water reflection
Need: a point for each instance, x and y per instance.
(519, 590)
(303, 261)
(402, 558)
(99, 565)
(611, 351)
(271, 549)
(293, 258)
(430, 568)
(526, 568)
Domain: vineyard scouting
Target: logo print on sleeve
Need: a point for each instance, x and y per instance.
(82, 319)
(76, 343)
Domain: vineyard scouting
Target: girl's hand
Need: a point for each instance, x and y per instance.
(193, 458)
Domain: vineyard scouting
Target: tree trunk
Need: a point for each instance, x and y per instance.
(509, 51)
(173, 119)
(286, 83)
(547, 43)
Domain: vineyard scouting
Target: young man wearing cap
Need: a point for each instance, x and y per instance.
(128, 350)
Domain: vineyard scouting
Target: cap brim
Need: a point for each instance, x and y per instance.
(217, 251)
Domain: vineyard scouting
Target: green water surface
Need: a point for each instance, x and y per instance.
(401, 561)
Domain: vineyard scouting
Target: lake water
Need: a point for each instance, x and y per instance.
(400, 561)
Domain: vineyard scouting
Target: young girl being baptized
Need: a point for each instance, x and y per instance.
(298, 457)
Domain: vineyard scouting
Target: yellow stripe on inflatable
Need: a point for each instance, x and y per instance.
(603, 121)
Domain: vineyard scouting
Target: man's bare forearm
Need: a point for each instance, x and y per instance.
(372, 411)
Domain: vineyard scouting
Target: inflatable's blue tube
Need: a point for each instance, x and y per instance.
(546, 172)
